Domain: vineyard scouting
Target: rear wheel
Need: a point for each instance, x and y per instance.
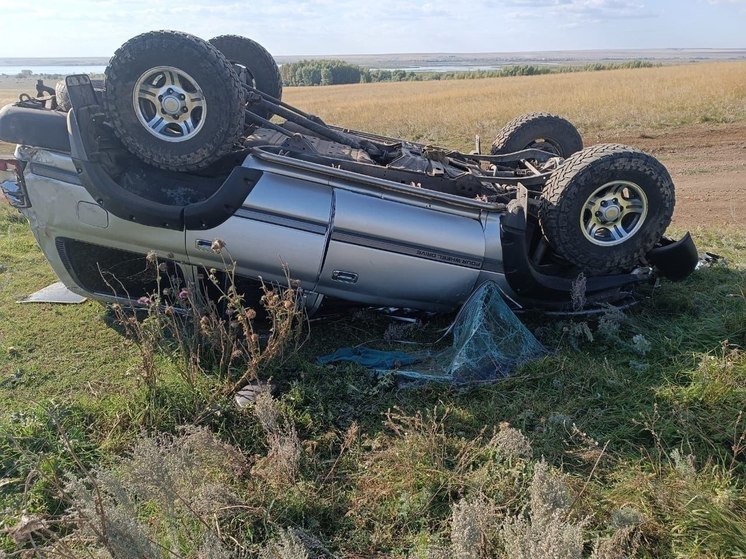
(261, 70)
(174, 100)
(542, 131)
(606, 207)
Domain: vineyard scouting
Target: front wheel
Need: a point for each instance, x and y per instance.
(543, 131)
(261, 70)
(606, 207)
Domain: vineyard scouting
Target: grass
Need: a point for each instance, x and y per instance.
(54, 353)
(652, 432)
(632, 444)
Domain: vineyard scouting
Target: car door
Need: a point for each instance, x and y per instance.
(391, 252)
(283, 222)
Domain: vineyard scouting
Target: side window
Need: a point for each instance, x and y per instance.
(111, 271)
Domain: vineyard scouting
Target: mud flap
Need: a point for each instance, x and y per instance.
(674, 260)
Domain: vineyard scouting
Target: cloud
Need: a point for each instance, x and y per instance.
(592, 10)
(327, 27)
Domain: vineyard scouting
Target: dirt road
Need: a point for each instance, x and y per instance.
(708, 165)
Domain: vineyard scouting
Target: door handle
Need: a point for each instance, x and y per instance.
(203, 244)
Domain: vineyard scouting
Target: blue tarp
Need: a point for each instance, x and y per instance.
(489, 342)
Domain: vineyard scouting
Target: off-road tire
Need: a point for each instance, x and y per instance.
(222, 90)
(256, 59)
(570, 186)
(63, 100)
(524, 131)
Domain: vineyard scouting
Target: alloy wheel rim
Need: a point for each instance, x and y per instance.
(613, 213)
(169, 103)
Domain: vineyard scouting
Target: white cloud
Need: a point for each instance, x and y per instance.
(578, 9)
(322, 27)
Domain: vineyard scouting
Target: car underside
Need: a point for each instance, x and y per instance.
(150, 162)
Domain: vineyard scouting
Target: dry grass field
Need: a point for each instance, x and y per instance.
(452, 112)
(692, 117)
(10, 88)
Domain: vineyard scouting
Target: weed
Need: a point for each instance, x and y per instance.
(207, 335)
(183, 482)
(577, 293)
(578, 333)
(610, 323)
(546, 533)
(640, 344)
(287, 546)
(470, 523)
(400, 330)
(282, 462)
(510, 443)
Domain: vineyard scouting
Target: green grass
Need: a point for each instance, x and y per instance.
(650, 426)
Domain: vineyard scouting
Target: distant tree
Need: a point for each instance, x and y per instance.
(329, 72)
(326, 76)
(320, 72)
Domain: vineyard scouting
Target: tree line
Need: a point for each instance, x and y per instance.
(333, 72)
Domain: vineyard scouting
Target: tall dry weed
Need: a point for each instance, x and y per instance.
(186, 484)
(471, 520)
(282, 463)
(203, 334)
(546, 532)
(287, 546)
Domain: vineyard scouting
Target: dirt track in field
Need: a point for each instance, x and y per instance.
(708, 165)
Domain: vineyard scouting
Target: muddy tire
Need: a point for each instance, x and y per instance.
(541, 131)
(262, 71)
(174, 100)
(63, 100)
(606, 207)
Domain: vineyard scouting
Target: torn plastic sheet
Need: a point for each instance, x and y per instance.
(489, 342)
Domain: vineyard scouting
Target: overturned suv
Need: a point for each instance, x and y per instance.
(176, 149)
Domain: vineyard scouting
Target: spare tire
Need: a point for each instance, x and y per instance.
(542, 131)
(606, 207)
(63, 100)
(262, 72)
(174, 100)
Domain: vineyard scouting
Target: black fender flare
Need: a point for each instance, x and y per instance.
(528, 282)
(82, 121)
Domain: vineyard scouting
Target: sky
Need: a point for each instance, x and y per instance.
(325, 27)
